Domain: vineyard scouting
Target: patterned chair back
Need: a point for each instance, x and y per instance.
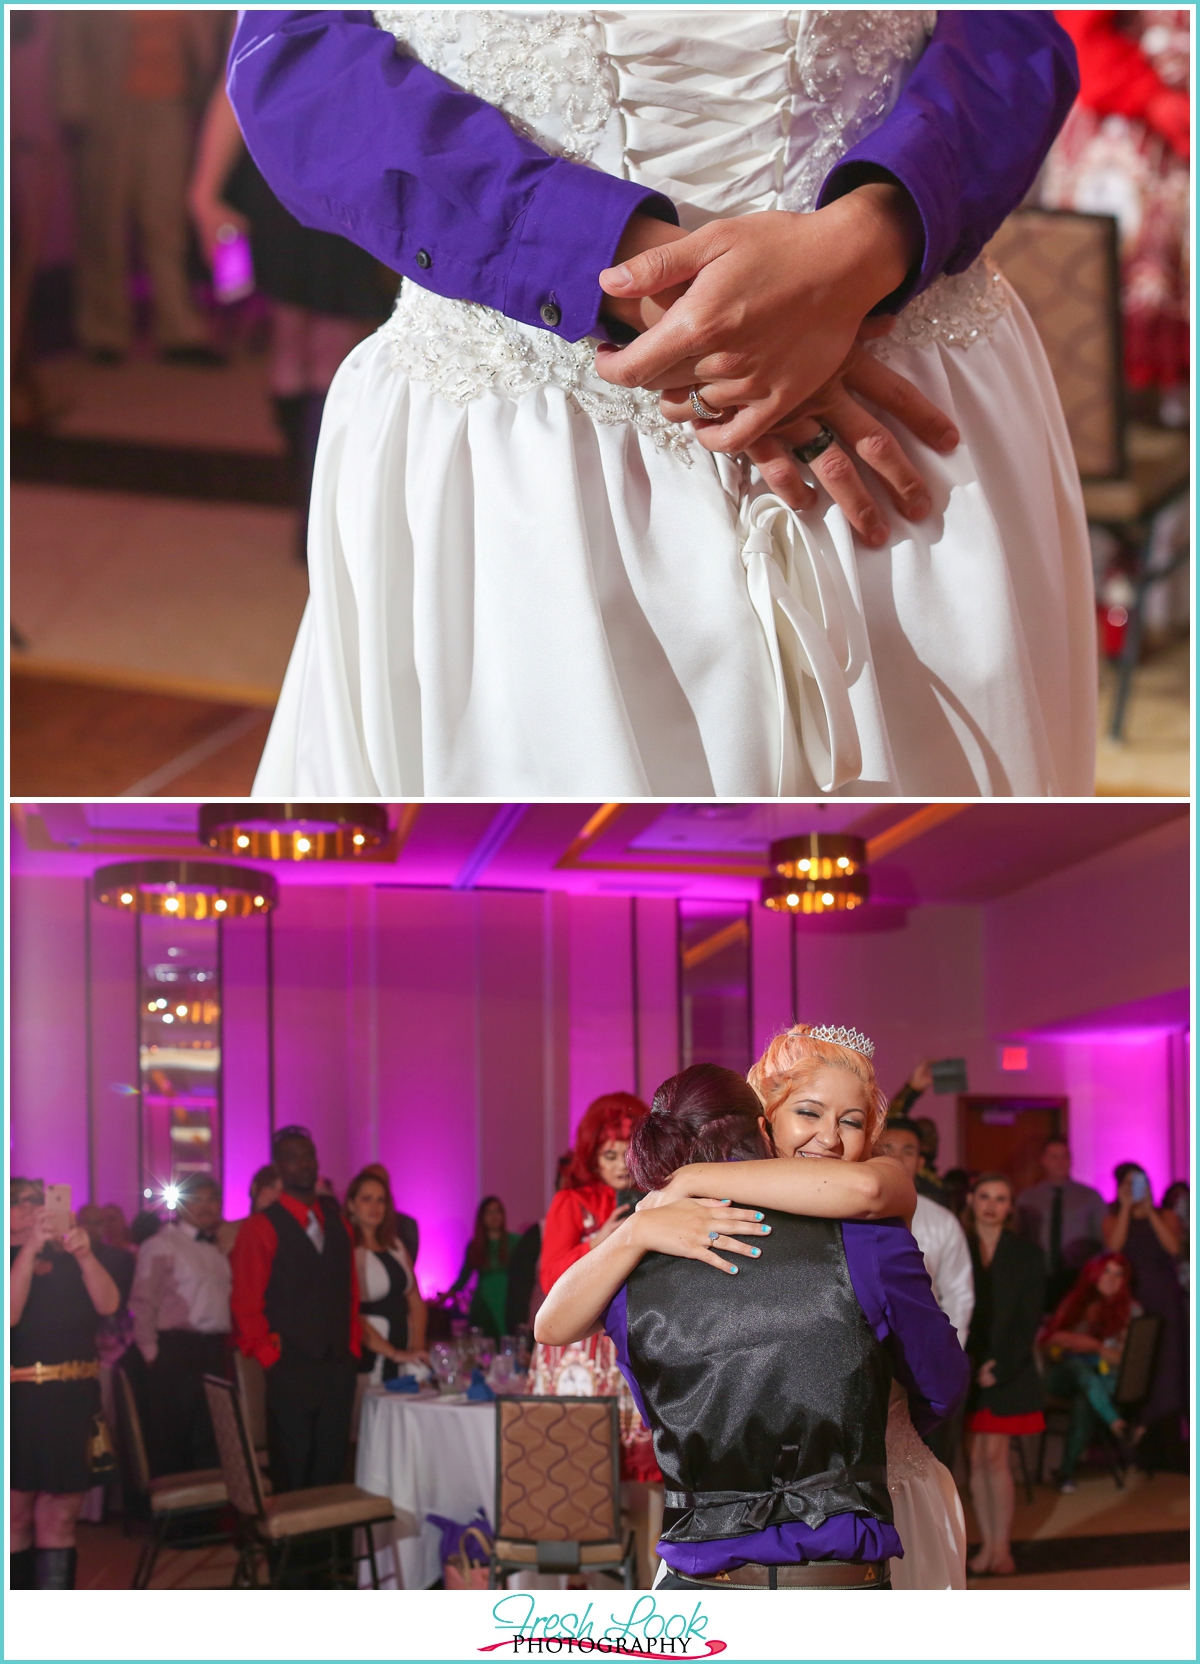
(129, 1428)
(252, 1387)
(1137, 1360)
(238, 1467)
(557, 1470)
(1064, 266)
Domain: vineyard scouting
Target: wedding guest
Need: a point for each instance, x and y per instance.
(1063, 1217)
(1178, 1199)
(407, 1228)
(391, 1311)
(1151, 1239)
(56, 1431)
(1083, 1342)
(181, 1325)
(265, 1188)
(118, 1262)
(1006, 1392)
(487, 1260)
(295, 1309)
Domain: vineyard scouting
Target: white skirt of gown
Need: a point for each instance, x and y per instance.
(927, 1507)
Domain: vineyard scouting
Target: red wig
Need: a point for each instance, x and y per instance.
(1085, 1304)
(611, 1117)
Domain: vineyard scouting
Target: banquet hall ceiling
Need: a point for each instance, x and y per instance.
(927, 854)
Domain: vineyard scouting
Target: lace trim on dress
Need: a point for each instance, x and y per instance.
(908, 1456)
(954, 311)
(463, 350)
(873, 43)
(532, 67)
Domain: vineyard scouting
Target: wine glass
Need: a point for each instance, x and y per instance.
(503, 1369)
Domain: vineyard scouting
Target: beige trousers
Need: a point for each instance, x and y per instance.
(134, 168)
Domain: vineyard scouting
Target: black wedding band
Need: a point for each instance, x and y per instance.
(816, 447)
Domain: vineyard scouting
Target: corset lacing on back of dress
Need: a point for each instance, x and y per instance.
(726, 113)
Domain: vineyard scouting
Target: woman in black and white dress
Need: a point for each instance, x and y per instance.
(391, 1310)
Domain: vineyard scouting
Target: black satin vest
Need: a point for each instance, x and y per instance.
(767, 1392)
(308, 1294)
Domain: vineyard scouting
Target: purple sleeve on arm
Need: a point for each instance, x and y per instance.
(364, 141)
(969, 131)
(894, 1291)
(616, 1327)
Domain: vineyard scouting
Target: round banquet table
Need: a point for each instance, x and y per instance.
(430, 1455)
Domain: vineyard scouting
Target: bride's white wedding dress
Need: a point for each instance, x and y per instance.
(526, 583)
(927, 1507)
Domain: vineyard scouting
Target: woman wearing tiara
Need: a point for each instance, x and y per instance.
(769, 1447)
(813, 565)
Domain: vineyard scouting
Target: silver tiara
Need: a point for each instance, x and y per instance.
(849, 1037)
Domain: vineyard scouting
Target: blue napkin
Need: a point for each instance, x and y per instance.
(479, 1391)
(402, 1383)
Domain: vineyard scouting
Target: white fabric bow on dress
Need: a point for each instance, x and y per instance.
(821, 646)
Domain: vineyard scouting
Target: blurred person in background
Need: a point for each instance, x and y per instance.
(391, 1311)
(181, 1325)
(487, 1260)
(1083, 1342)
(265, 1187)
(926, 1179)
(128, 83)
(1178, 1198)
(1006, 1390)
(1151, 1239)
(295, 1309)
(57, 1438)
(525, 1292)
(1065, 1219)
(1125, 150)
(326, 294)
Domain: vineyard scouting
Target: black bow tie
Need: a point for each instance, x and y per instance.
(207, 1236)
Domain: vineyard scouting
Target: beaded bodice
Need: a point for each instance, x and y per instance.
(724, 111)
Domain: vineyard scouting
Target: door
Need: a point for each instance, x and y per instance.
(1006, 1135)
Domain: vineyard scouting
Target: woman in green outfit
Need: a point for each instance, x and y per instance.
(487, 1259)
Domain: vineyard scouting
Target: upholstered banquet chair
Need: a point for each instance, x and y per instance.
(1064, 267)
(166, 1501)
(558, 1503)
(272, 1526)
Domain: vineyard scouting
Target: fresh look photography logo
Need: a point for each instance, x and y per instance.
(530, 1630)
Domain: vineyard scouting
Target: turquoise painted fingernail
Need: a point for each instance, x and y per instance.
(756, 1252)
(766, 1230)
(758, 1215)
(733, 1269)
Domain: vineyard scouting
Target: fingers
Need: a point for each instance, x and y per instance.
(879, 448)
(731, 1245)
(671, 340)
(710, 1258)
(780, 470)
(841, 479)
(899, 398)
(658, 268)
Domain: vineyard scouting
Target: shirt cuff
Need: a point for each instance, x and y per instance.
(568, 235)
(925, 181)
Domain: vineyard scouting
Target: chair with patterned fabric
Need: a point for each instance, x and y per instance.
(272, 1526)
(1064, 266)
(165, 1501)
(558, 1505)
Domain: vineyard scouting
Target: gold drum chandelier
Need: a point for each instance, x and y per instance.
(297, 831)
(818, 872)
(186, 889)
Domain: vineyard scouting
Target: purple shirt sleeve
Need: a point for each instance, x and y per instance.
(969, 131)
(361, 140)
(894, 1291)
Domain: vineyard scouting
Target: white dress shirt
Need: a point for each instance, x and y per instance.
(943, 1245)
(179, 1283)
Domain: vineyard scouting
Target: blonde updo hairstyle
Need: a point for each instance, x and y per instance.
(793, 1057)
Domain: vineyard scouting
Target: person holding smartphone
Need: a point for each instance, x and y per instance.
(1151, 1239)
(58, 1290)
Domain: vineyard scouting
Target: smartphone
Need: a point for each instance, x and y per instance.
(1139, 1187)
(58, 1208)
(232, 266)
(629, 1198)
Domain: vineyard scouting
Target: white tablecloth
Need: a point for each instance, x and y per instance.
(430, 1456)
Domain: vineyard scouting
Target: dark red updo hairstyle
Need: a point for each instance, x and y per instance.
(706, 1113)
(613, 1116)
